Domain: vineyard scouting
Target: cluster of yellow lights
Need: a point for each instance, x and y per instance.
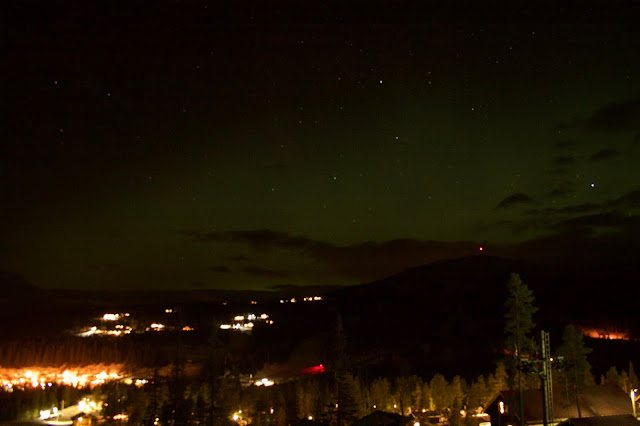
(264, 382)
(241, 325)
(114, 317)
(48, 414)
(161, 327)
(240, 419)
(120, 330)
(305, 299)
(45, 377)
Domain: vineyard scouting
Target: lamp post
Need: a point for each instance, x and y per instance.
(633, 401)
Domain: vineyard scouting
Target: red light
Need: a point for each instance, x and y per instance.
(481, 248)
(316, 369)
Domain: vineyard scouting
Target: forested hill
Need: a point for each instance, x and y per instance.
(449, 314)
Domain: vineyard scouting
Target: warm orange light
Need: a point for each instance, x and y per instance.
(602, 333)
(87, 376)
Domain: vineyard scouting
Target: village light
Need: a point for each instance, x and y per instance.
(264, 382)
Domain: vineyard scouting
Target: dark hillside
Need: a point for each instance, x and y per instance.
(448, 316)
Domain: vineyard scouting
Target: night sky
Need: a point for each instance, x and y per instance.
(246, 145)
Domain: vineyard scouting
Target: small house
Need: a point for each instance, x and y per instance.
(606, 400)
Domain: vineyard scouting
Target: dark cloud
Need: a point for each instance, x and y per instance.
(565, 144)
(365, 261)
(584, 222)
(264, 272)
(522, 226)
(605, 154)
(629, 200)
(616, 116)
(222, 269)
(372, 259)
(564, 160)
(560, 192)
(575, 209)
(514, 200)
(600, 220)
(263, 239)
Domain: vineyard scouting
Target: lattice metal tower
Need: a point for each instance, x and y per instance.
(547, 379)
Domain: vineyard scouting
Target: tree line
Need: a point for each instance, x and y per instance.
(71, 350)
(175, 400)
